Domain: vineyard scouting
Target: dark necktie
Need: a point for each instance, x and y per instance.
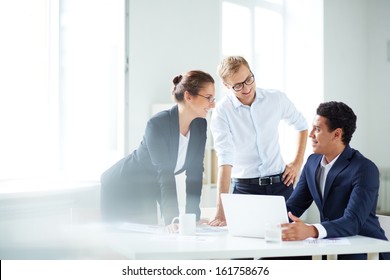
(319, 172)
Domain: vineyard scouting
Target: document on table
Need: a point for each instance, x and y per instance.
(158, 229)
(328, 241)
(210, 230)
(143, 228)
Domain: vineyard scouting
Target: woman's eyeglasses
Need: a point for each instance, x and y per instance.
(210, 98)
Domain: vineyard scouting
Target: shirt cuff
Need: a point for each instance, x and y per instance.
(321, 231)
(225, 159)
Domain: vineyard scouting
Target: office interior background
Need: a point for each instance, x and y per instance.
(80, 79)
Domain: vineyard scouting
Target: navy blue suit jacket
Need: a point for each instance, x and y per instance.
(130, 188)
(350, 196)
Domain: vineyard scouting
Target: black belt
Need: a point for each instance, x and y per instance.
(262, 181)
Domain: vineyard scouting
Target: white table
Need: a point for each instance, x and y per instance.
(151, 246)
(105, 242)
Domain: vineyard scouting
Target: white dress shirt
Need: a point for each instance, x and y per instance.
(247, 137)
(182, 151)
(322, 233)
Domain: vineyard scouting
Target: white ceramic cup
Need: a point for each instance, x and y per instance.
(273, 233)
(187, 224)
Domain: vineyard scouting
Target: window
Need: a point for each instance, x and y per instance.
(236, 29)
(255, 30)
(62, 89)
(269, 46)
(282, 41)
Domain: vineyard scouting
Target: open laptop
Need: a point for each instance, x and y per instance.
(248, 215)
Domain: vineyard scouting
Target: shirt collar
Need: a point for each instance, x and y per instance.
(330, 164)
(237, 103)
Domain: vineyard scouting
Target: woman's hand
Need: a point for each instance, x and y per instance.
(172, 228)
(203, 221)
(218, 221)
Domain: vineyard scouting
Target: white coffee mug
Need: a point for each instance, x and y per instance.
(187, 224)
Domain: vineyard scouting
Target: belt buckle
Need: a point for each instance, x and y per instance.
(265, 178)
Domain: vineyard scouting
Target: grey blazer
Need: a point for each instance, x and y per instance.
(131, 187)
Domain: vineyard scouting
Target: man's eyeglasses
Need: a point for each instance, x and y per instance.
(250, 80)
(210, 98)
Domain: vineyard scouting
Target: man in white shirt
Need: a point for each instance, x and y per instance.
(245, 128)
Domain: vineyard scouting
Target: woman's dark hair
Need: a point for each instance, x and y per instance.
(339, 115)
(193, 82)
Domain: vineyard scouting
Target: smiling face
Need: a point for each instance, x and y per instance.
(204, 100)
(243, 76)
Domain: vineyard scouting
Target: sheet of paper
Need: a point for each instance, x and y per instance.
(210, 230)
(181, 238)
(156, 229)
(200, 230)
(328, 241)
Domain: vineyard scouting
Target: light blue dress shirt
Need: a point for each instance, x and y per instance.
(247, 137)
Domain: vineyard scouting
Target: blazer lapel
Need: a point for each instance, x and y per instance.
(314, 169)
(174, 134)
(338, 166)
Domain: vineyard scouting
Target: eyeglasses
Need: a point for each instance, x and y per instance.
(210, 98)
(250, 80)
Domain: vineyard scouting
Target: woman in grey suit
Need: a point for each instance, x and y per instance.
(174, 142)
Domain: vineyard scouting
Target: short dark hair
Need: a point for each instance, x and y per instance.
(339, 115)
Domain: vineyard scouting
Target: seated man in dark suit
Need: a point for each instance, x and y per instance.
(342, 182)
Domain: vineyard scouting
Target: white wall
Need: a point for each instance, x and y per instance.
(304, 61)
(356, 70)
(168, 38)
(346, 60)
(378, 132)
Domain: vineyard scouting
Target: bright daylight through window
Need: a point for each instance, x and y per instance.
(62, 87)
